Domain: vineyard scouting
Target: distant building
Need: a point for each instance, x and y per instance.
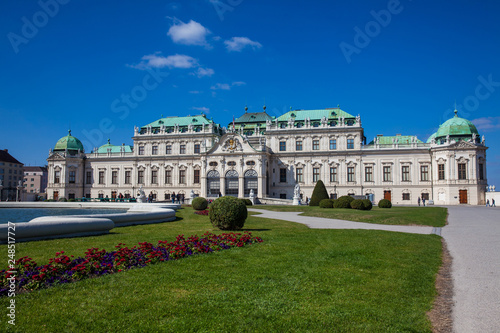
(270, 155)
(35, 179)
(11, 173)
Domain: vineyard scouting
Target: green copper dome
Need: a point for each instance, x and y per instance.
(69, 143)
(433, 136)
(457, 128)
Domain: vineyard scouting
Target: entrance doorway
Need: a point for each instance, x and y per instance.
(387, 195)
(463, 196)
(56, 195)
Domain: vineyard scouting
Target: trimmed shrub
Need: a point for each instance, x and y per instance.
(63, 199)
(343, 202)
(247, 202)
(71, 200)
(367, 204)
(326, 203)
(357, 204)
(384, 203)
(228, 213)
(199, 203)
(319, 193)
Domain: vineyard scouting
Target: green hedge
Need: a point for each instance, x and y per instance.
(384, 203)
(368, 204)
(326, 203)
(228, 213)
(343, 202)
(199, 203)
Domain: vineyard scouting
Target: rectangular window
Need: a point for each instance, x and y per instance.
(481, 171)
(462, 171)
(154, 176)
(168, 149)
(333, 144)
(197, 148)
(154, 150)
(182, 176)
(114, 177)
(182, 149)
(424, 173)
(350, 174)
(72, 177)
(350, 143)
(141, 150)
(333, 174)
(425, 196)
(128, 173)
(298, 145)
(168, 176)
(387, 174)
(140, 176)
(88, 177)
(315, 144)
(406, 196)
(441, 172)
(368, 174)
(283, 175)
(299, 175)
(196, 179)
(57, 177)
(282, 145)
(315, 175)
(101, 177)
(405, 173)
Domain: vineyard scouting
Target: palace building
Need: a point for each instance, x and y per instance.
(270, 155)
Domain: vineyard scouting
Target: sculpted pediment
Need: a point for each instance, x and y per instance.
(231, 143)
(463, 145)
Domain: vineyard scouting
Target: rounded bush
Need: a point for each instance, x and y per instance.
(228, 213)
(384, 203)
(319, 193)
(357, 204)
(199, 203)
(247, 202)
(63, 200)
(326, 203)
(367, 204)
(71, 200)
(343, 202)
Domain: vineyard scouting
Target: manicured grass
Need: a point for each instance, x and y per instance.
(298, 280)
(430, 216)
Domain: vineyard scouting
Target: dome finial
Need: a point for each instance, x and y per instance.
(69, 132)
(246, 108)
(109, 141)
(264, 107)
(456, 111)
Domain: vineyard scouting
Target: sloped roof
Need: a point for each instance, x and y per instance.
(456, 126)
(69, 142)
(6, 157)
(181, 121)
(113, 149)
(253, 117)
(301, 115)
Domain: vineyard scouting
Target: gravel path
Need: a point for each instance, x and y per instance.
(473, 239)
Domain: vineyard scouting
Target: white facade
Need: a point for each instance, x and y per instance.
(271, 157)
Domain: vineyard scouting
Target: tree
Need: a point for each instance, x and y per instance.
(319, 193)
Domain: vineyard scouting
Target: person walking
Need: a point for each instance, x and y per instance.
(418, 201)
(423, 202)
(487, 202)
(173, 197)
(493, 202)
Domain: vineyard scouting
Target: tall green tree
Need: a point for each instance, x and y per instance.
(319, 193)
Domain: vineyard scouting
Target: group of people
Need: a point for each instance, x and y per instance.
(423, 201)
(177, 198)
(492, 203)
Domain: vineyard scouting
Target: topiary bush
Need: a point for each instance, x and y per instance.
(357, 204)
(228, 213)
(384, 203)
(71, 200)
(343, 202)
(326, 203)
(199, 203)
(247, 202)
(367, 204)
(319, 193)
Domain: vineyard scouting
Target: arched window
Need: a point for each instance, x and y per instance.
(213, 183)
(232, 183)
(251, 182)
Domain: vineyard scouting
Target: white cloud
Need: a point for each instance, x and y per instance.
(191, 33)
(227, 86)
(173, 61)
(202, 109)
(237, 44)
(487, 123)
(201, 72)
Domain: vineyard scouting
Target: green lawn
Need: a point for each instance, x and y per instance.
(431, 216)
(297, 280)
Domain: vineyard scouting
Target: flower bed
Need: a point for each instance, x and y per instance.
(201, 212)
(63, 269)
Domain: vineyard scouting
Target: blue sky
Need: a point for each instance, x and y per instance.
(101, 68)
